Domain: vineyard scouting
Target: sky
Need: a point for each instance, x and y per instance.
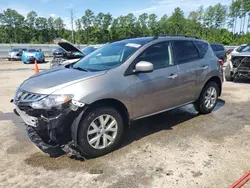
(60, 8)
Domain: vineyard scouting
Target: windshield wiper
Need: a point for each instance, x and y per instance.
(81, 69)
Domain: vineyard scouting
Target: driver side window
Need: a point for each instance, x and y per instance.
(160, 55)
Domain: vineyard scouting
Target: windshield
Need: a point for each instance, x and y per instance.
(60, 50)
(108, 57)
(15, 50)
(32, 50)
(240, 48)
(246, 49)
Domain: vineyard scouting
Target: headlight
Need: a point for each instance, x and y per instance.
(51, 101)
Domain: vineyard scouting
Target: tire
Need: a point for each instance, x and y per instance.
(200, 104)
(85, 125)
(9, 59)
(229, 74)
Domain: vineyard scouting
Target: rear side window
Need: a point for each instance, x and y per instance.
(202, 47)
(220, 48)
(217, 47)
(214, 47)
(185, 51)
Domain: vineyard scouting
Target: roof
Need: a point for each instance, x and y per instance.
(141, 40)
(144, 40)
(213, 43)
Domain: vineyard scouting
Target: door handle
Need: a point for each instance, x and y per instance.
(205, 67)
(173, 76)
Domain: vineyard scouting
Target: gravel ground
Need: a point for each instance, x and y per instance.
(178, 148)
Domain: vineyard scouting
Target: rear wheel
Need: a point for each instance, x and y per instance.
(100, 131)
(208, 98)
(228, 74)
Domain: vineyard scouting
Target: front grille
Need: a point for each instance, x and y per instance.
(24, 96)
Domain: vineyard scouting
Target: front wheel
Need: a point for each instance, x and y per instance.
(100, 131)
(208, 98)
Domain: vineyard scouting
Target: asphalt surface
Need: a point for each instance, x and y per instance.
(179, 148)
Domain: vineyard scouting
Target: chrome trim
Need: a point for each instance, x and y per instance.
(163, 110)
(24, 97)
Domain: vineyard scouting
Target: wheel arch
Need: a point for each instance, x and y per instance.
(118, 105)
(217, 80)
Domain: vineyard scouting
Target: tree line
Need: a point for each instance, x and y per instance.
(219, 23)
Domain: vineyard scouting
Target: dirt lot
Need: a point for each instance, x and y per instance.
(178, 148)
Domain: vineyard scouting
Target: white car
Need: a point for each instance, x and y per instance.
(14, 54)
(239, 49)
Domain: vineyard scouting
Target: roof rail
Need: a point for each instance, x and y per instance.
(176, 35)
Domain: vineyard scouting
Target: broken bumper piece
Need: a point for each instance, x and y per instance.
(53, 151)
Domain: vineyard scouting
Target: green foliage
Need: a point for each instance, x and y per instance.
(217, 23)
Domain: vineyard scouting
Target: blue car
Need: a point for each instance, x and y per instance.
(31, 55)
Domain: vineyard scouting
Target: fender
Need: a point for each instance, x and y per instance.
(75, 125)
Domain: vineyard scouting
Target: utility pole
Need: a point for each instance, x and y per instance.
(71, 12)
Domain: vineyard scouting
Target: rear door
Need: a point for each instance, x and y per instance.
(187, 57)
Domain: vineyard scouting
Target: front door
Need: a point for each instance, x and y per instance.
(158, 90)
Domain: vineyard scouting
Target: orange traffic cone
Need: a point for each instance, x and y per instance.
(36, 67)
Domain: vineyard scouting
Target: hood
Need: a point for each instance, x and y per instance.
(68, 47)
(241, 54)
(53, 79)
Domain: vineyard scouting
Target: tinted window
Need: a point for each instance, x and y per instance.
(240, 48)
(214, 47)
(159, 55)
(32, 50)
(59, 50)
(220, 48)
(246, 49)
(217, 47)
(185, 51)
(202, 47)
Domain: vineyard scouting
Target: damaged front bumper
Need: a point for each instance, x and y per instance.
(52, 130)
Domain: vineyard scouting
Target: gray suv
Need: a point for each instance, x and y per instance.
(82, 109)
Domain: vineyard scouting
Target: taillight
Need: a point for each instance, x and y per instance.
(229, 52)
(221, 62)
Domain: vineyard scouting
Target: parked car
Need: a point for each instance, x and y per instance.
(219, 51)
(59, 52)
(239, 65)
(239, 48)
(31, 55)
(14, 54)
(73, 54)
(83, 108)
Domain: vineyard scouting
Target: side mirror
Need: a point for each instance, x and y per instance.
(144, 66)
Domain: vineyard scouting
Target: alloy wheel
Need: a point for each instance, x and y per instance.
(102, 131)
